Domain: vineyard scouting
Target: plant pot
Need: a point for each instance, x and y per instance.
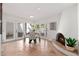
(72, 49)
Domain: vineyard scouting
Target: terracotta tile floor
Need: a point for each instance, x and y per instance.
(19, 48)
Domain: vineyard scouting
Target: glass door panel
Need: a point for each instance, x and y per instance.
(9, 31)
(20, 30)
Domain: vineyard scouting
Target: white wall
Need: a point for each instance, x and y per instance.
(68, 22)
(51, 34)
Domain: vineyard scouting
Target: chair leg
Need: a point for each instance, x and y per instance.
(30, 41)
(34, 40)
(24, 39)
(39, 39)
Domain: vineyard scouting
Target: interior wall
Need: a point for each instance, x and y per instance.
(68, 22)
(51, 34)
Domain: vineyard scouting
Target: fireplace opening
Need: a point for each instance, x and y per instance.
(60, 38)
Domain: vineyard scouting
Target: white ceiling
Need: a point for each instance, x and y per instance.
(37, 10)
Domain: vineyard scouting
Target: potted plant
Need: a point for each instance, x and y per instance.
(71, 43)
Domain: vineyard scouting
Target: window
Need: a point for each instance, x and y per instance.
(53, 26)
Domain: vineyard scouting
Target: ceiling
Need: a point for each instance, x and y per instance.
(36, 11)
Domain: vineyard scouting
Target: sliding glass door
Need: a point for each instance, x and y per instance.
(20, 30)
(9, 31)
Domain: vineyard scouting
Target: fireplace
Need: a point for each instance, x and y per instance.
(60, 38)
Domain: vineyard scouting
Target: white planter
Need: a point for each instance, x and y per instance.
(70, 48)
